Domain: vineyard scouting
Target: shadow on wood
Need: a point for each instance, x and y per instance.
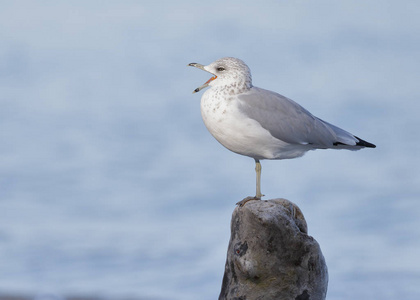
(271, 256)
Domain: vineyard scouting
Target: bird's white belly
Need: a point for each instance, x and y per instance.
(237, 132)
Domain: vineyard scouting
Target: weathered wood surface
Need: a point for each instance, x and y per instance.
(271, 256)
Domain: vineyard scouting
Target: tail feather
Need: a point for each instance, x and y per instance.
(360, 143)
(363, 143)
(346, 140)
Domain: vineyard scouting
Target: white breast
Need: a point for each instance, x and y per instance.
(234, 130)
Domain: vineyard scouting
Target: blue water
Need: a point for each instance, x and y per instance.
(111, 186)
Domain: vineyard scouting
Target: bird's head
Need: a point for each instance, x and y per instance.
(227, 72)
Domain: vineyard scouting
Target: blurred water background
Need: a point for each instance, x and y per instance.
(111, 186)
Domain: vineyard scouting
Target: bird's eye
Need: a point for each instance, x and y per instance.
(220, 69)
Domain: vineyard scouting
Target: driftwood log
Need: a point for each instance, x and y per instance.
(271, 256)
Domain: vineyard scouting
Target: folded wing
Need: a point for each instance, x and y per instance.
(288, 121)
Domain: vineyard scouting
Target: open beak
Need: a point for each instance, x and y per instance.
(207, 82)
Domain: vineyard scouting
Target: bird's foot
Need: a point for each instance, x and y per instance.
(245, 200)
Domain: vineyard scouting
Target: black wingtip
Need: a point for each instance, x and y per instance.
(363, 143)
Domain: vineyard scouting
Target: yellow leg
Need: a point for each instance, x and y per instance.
(258, 194)
(258, 168)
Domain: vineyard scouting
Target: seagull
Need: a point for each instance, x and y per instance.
(262, 124)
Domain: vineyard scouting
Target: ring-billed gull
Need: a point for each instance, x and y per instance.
(262, 124)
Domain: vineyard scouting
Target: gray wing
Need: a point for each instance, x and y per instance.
(288, 121)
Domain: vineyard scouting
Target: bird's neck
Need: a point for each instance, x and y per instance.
(233, 88)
